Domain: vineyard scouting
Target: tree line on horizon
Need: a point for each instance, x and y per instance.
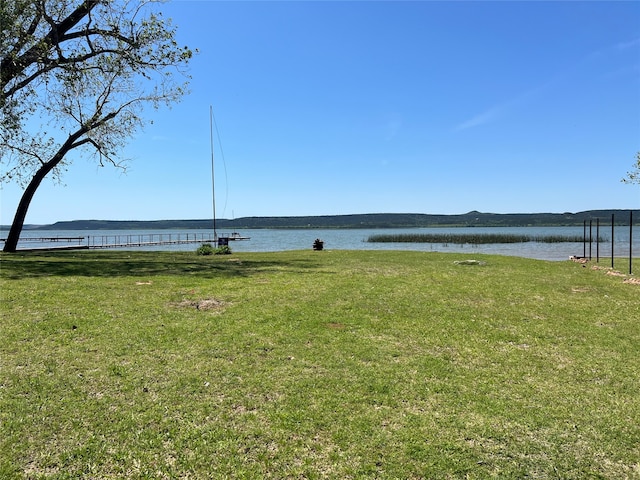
(370, 220)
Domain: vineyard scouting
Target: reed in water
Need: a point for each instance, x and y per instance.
(474, 238)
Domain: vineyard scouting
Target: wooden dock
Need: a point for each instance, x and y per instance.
(48, 239)
(136, 241)
(125, 240)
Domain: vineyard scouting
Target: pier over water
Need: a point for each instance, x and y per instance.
(127, 240)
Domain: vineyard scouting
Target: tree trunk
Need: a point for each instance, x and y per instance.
(72, 142)
(11, 243)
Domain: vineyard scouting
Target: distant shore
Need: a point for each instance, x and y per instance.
(368, 220)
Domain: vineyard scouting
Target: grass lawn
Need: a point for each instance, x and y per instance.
(331, 364)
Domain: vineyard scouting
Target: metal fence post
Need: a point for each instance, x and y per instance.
(597, 240)
(612, 237)
(590, 237)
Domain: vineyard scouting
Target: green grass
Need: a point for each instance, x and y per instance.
(473, 238)
(332, 364)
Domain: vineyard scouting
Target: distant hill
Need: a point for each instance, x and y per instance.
(368, 220)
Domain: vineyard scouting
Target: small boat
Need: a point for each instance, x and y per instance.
(225, 238)
(238, 236)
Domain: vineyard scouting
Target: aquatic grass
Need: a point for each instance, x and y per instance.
(332, 364)
(473, 238)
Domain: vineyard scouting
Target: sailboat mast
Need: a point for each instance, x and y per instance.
(213, 180)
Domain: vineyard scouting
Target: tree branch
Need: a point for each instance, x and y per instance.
(11, 68)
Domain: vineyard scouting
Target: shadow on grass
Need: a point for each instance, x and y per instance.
(112, 264)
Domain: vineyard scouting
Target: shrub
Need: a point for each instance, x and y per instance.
(205, 249)
(208, 249)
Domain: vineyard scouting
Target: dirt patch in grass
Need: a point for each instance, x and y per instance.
(336, 326)
(579, 289)
(616, 273)
(203, 304)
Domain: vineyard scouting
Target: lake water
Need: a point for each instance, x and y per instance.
(269, 240)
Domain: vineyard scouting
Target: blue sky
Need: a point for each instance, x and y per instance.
(334, 107)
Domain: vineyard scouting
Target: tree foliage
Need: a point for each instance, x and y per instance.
(76, 76)
(634, 175)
